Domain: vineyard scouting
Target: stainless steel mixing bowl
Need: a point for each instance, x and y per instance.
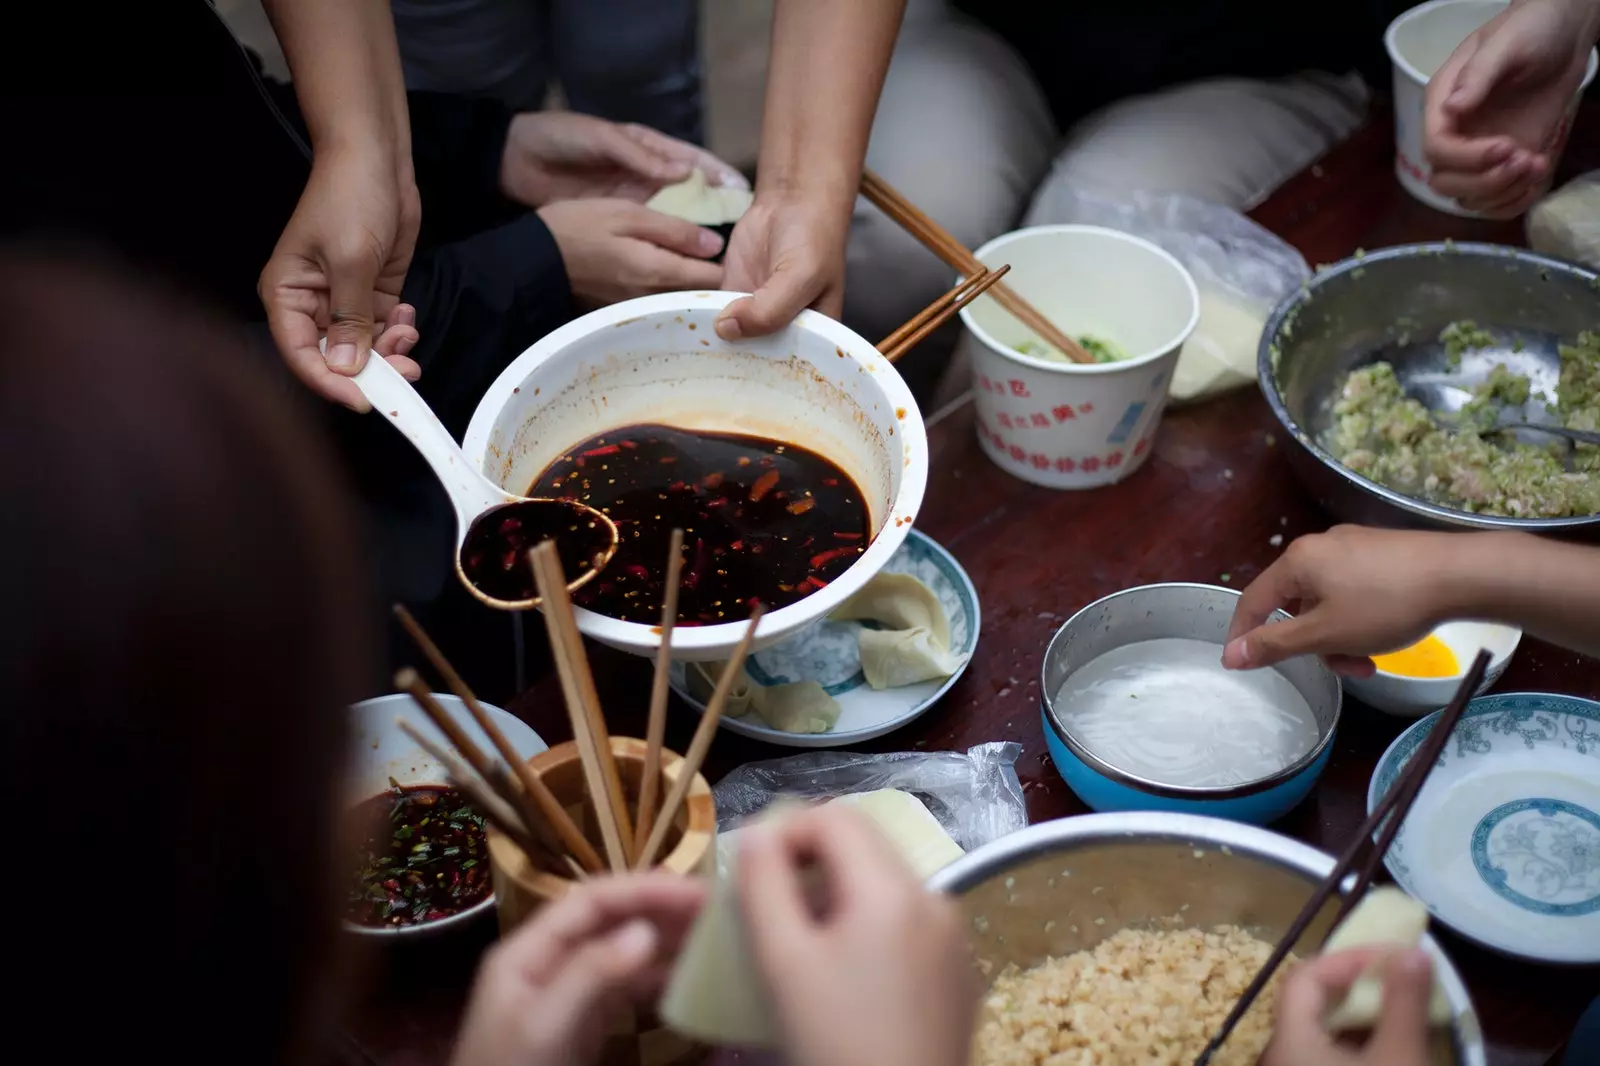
(1391, 305)
(1059, 887)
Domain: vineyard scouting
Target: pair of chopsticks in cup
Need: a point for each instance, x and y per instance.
(1364, 854)
(514, 799)
(941, 243)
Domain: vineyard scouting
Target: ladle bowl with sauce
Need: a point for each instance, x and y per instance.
(494, 528)
(809, 434)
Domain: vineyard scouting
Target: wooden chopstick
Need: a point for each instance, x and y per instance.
(1384, 821)
(583, 706)
(937, 313)
(939, 241)
(495, 810)
(544, 809)
(699, 745)
(407, 680)
(656, 730)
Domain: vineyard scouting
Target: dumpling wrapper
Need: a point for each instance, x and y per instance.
(696, 200)
(715, 993)
(800, 707)
(1385, 915)
(914, 643)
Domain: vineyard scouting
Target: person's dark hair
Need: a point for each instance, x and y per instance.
(183, 628)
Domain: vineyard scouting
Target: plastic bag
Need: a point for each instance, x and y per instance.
(1240, 269)
(1566, 223)
(975, 794)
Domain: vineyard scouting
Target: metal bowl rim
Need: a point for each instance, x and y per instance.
(1266, 376)
(1206, 793)
(993, 859)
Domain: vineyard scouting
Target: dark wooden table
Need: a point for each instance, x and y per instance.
(1204, 508)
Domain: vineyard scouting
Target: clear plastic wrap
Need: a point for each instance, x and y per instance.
(1240, 269)
(975, 794)
(1566, 223)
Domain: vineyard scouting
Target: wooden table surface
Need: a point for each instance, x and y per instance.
(1204, 508)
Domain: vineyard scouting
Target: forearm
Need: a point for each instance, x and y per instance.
(346, 68)
(829, 58)
(1546, 588)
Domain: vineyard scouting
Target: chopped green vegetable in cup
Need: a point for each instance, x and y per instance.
(1103, 351)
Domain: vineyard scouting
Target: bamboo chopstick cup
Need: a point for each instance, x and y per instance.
(656, 730)
(699, 745)
(939, 241)
(937, 313)
(1384, 821)
(583, 706)
(539, 807)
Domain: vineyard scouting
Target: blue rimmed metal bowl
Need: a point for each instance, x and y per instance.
(1197, 612)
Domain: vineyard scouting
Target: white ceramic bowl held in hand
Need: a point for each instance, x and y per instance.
(657, 359)
(1067, 425)
(1419, 42)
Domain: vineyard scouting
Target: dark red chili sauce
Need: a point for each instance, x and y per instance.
(494, 553)
(763, 521)
(423, 856)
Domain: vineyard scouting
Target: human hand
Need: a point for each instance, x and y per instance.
(544, 996)
(1315, 986)
(398, 336)
(1355, 592)
(339, 266)
(562, 155)
(1494, 114)
(880, 975)
(616, 250)
(788, 253)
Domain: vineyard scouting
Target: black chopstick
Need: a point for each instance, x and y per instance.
(1384, 821)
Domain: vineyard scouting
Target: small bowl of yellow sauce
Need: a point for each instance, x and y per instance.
(1421, 678)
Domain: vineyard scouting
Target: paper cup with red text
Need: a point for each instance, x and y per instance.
(1419, 42)
(1067, 425)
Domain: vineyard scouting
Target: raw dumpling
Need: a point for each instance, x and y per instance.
(697, 200)
(715, 993)
(914, 643)
(1385, 915)
(801, 707)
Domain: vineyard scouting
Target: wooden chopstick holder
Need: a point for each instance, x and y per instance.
(583, 707)
(940, 242)
(699, 745)
(938, 313)
(538, 804)
(656, 729)
(1384, 822)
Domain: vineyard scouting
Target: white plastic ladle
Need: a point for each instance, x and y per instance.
(471, 494)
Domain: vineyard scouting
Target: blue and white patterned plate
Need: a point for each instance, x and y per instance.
(826, 652)
(1503, 844)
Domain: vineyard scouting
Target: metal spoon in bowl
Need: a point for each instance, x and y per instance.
(494, 528)
(1573, 436)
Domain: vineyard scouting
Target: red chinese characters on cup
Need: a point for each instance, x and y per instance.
(1014, 387)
